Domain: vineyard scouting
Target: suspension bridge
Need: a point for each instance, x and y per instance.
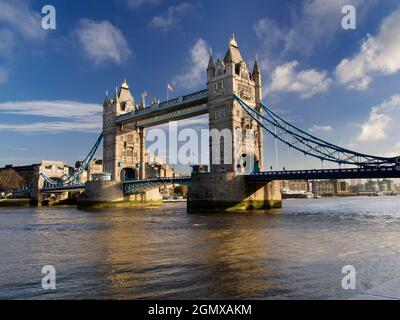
(232, 100)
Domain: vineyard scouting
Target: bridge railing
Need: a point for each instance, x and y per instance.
(140, 186)
(202, 94)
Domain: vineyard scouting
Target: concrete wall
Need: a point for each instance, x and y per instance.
(230, 192)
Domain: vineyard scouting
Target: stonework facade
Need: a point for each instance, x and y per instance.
(123, 145)
(225, 78)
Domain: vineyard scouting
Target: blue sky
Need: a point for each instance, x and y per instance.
(342, 85)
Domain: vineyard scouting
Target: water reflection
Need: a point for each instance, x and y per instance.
(295, 252)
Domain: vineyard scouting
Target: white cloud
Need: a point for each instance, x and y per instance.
(394, 151)
(195, 74)
(19, 24)
(102, 41)
(377, 55)
(285, 78)
(18, 16)
(139, 3)
(172, 17)
(7, 42)
(380, 117)
(53, 127)
(6, 146)
(313, 25)
(77, 116)
(316, 128)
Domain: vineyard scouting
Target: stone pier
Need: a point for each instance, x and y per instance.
(110, 194)
(218, 192)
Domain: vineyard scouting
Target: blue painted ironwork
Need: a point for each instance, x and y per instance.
(173, 115)
(141, 186)
(310, 145)
(196, 98)
(68, 180)
(350, 173)
(75, 187)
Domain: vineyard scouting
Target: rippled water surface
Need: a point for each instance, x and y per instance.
(295, 252)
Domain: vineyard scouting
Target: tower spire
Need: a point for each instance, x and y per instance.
(256, 69)
(233, 42)
(211, 65)
(116, 94)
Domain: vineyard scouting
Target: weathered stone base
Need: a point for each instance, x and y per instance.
(110, 194)
(121, 204)
(14, 202)
(218, 192)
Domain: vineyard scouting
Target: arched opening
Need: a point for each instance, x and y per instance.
(128, 174)
(248, 164)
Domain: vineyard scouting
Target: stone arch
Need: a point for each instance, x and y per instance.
(128, 173)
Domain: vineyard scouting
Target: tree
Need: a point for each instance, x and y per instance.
(10, 180)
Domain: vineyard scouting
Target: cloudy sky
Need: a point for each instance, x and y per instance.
(341, 85)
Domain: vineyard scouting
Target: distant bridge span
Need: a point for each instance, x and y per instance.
(320, 174)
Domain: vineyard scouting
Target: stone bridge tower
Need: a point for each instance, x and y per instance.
(225, 187)
(225, 78)
(123, 145)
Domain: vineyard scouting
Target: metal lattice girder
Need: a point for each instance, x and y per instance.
(141, 186)
(311, 145)
(73, 179)
(196, 98)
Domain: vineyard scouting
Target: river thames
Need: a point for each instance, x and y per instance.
(296, 252)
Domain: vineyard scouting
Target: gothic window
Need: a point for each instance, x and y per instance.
(222, 150)
(210, 144)
(237, 69)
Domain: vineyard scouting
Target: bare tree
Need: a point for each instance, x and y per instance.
(10, 180)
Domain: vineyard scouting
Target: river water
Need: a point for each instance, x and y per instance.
(296, 252)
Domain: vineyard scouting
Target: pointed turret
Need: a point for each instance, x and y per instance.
(106, 100)
(125, 93)
(143, 102)
(211, 65)
(116, 94)
(233, 55)
(256, 69)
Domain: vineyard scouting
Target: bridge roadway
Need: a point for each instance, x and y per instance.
(320, 174)
(60, 189)
(135, 186)
(183, 107)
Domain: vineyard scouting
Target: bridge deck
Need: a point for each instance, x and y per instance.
(77, 187)
(176, 109)
(361, 173)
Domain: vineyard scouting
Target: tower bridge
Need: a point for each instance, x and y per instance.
(233, 102)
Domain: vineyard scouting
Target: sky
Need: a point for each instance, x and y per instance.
(341, 85)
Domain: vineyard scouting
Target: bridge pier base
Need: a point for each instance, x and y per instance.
(219, 192)
(110, 194)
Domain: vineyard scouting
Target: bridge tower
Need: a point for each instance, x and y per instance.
(123, 145)
(225, 78)
(236, 145)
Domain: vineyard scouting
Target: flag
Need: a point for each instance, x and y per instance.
(145, 94)
(169, 87)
